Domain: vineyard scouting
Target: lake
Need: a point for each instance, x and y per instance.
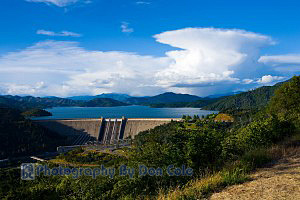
(127, 111)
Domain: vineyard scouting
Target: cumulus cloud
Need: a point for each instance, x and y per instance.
(125, 28)
(22, 89)
(59, 3)
(62, 33)
(209, 55)
(204, 61)
(270, 79)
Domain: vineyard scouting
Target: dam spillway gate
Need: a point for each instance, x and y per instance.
(102, 130)
(111, 130)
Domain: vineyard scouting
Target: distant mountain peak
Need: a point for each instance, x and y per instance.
(115, 96)
(169, 93)
(167, 97)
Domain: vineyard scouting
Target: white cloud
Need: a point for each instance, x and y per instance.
(22, 89)
(247, 81)
(143, 3)
(59, 3)
(286, 63)
(280, 59)
(125, 28)
(62, 33)
(209, 55)
(207, 61)
(66, 69)
(270, 79)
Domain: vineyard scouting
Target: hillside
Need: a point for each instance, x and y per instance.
(29, 102)
(168, 97)
(271, 182)
(103, 102)
(216, 155)
(253, 99)
(36, 112)
(115, 96)
(20, 137)
(196, 104)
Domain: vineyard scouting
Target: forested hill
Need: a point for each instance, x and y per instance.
(29, 102)
(253, 99)
(168, 97)
(196, 104)
(103, 102)
(115, 96)
(21, 137)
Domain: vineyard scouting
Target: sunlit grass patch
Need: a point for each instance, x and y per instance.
(202, 188)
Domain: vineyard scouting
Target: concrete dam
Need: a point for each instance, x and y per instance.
(105, 131)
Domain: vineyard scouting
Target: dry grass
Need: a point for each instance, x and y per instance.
(196, 189)
(280, 180)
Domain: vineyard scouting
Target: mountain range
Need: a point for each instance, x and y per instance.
(115, 96)
(252, 99)
(167, 97)
(29, 102)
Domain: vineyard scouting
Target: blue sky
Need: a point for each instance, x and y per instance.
(65, 47)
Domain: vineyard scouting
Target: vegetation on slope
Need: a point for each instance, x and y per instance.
(195, 104)
(103, 102)
(20, 137)
(220, 154)
(168, 97)
(29, 102)
(36, 113)
(286, 102)
(254, 99)
(115, 96)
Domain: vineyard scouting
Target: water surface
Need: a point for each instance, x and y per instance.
(118, 112)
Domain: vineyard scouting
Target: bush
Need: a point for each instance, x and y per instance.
(262, 133)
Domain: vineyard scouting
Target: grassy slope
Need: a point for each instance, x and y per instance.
(286, 158)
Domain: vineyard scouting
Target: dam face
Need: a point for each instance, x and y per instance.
(105, 131)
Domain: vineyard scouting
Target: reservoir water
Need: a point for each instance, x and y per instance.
(118, 112)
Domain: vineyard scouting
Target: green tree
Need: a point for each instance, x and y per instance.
(285, 104)
(188, 118)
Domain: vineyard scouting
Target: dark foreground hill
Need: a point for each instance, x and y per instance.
(21, 137)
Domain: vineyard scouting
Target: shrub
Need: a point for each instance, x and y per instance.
(262, 133)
